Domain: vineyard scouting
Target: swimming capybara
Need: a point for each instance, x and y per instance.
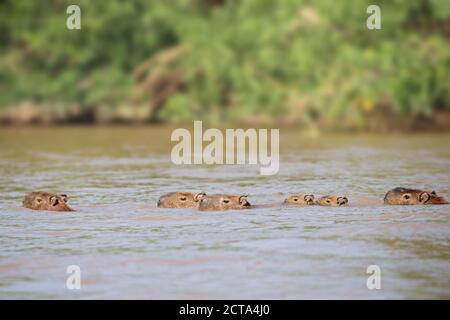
(300, 199)
(332, 201)
(46, 201)
(180, 200)
(224, 202)
(406, 196)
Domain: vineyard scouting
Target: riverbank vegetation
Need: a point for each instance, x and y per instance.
(302, 63)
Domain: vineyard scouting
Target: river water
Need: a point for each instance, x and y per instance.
(127, 248)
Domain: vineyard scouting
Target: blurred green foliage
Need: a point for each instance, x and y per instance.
(301, 62)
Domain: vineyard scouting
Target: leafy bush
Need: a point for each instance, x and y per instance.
(303, 62)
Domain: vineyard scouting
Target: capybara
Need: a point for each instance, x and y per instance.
(300, 199)
(407, 196)
(224, 202)
(332, 201)
(46, 201)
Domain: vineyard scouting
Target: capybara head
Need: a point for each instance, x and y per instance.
(224, 202)
(180, 200)
(46, 201)
(332, 201)
(300, 199)
(406, 196)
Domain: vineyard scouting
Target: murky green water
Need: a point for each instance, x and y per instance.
(127, 248)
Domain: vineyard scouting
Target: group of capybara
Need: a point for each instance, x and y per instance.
(202, 201)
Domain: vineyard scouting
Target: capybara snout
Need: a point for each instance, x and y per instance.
(46, 201)
(407, 196)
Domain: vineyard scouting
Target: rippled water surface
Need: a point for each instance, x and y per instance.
(127, 248)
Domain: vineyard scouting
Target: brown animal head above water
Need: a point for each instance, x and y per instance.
(224, 202)
(406, 196)
(46, 201)
(332, 201)
(180, 200)
(300, 199)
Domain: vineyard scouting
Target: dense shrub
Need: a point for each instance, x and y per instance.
(303, 62)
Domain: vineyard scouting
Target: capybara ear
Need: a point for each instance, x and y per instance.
(199, 196)
(424, 197)
(65, 197)
(243, 199)
(433, 193)
(53, 200)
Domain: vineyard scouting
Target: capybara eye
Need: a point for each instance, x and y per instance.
(183, 198)
(225, 200)
(406, 196)
(328, 201)
(39, 200)
(295, 199)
